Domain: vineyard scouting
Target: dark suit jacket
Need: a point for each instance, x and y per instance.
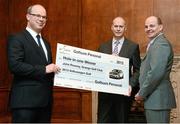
(129, 50)
(31, 86)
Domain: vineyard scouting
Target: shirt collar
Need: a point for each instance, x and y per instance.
(120, 40)
(32, 32)
(152, 41)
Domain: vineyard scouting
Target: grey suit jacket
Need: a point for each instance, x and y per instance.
(155, 85)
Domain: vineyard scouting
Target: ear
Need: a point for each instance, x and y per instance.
(112, 27)
(125, 28)
(160, 27)
(27, 17)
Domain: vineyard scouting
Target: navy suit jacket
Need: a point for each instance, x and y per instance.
(31, 86)
(129, 50)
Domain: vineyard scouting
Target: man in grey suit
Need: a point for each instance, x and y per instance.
(113, 107)
(30, 61)
(155, 86)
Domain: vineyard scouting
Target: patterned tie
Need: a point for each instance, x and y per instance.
(39, 43)
(115, 51)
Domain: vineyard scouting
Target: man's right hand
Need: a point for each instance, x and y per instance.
(52, 68)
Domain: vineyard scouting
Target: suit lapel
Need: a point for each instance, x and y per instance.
(48, 51)
(144, 57)
(35, 45)
(108, 48)
(156, 40)
(124, 49)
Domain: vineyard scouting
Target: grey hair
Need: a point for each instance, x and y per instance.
(29, 9)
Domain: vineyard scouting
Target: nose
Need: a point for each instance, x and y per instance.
(148, 28)
(118, 28)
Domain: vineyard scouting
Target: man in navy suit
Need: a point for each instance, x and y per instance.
(30, 61)
(113, 107)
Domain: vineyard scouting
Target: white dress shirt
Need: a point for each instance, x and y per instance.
(34, 34)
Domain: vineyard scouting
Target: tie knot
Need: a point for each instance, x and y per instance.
(116, 42)
(38, 36)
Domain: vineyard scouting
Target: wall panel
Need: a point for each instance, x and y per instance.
(135, 30)
(4, 73)
(98, 16)
(64, 23)
(168, 11)
(71, 105)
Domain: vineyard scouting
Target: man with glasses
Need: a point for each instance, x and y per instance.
(30, 61)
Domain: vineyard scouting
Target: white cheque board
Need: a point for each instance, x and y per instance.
(90, 70)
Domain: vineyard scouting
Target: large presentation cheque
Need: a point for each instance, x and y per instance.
(90, 70)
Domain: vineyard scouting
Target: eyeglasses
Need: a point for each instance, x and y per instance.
(38, 16)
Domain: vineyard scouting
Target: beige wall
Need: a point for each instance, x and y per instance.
(175, 76)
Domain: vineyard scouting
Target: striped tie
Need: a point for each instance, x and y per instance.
(115, 51)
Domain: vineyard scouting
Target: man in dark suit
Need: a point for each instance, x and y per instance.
(30, 61)
(155, 85)
(113, 107)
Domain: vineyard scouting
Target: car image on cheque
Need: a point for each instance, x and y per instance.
(116, 74)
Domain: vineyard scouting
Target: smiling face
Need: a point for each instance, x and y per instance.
(152, 27)
(36, 17)
(118, 27)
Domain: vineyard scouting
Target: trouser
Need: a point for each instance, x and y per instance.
(157, 116)
(114, 111)
(31, 115)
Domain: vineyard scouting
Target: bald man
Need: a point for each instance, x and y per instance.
(113, 108)
(30, 61)
(155, 85)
